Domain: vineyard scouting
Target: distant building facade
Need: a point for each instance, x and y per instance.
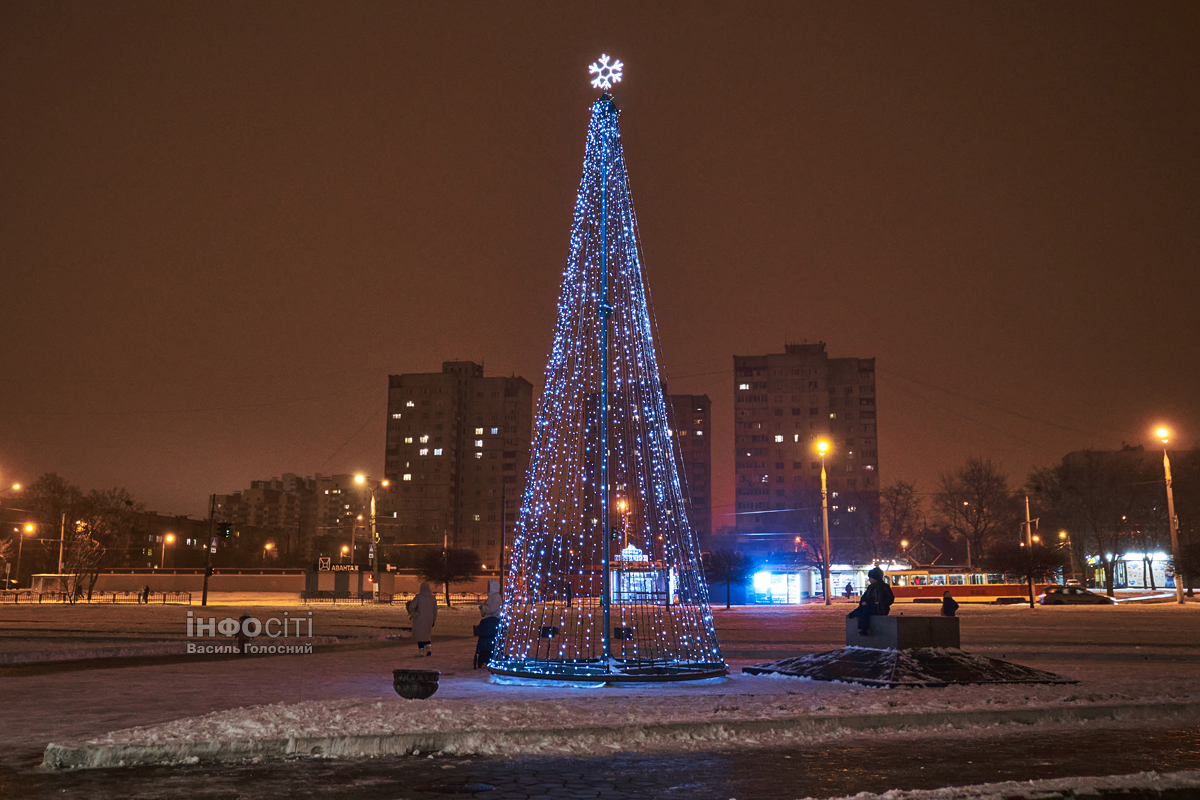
(784, 402)
(305, 518)
(693, 421)
(456, 456)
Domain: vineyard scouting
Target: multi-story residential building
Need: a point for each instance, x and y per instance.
(456, 455)
(784, 402)
(693, 421)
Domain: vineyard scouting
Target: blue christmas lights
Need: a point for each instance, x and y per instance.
(603, 475)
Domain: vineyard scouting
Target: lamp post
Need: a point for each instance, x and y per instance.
(822, 450)
(361, 480)
(1165, 435)
(266, 550)
(21, 534)
(168, 539)
(345, 549)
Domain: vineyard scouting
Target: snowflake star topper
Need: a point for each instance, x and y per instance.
(606, 74)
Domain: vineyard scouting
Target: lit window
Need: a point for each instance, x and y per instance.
(479, 431)
(477, 518)
(479, 442)
(424, 451)
(425, 439)
(437, 451)
(743, 386)
(699, 433)
(796, 438)
(479, 455)
(397, 416)
(408, 440)
(868, 466)
(410, 404)
(778, 437)
(407, 476)
(833, 415)
(495, 431)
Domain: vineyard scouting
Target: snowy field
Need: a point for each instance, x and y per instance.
(1132, 661)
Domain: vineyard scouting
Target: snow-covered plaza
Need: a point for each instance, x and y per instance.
(108, 685)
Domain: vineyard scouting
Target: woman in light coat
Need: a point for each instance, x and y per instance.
(424, 615)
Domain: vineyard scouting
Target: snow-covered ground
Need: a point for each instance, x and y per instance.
(1142, 784)
(1130, 659)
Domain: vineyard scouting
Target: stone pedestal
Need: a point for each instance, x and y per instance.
(902, 633)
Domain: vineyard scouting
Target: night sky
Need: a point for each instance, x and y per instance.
(224, 224)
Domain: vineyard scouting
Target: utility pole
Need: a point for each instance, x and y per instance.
(212, 545)
(62, 538)
(1029, 550)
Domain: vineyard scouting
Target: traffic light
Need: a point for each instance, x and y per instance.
(226, 529)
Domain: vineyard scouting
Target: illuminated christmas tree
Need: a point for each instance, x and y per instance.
(605, 581)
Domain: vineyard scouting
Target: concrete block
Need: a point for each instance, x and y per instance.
(903, 633)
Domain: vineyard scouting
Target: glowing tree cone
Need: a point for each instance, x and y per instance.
(605, 581)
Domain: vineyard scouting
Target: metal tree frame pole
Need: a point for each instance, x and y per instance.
(605, 316)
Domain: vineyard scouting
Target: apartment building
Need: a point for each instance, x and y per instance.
(456, 455)
(693, 422)
(783, 403)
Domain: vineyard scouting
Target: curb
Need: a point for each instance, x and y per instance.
(534, 740)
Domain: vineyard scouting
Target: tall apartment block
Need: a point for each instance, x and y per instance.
(693, 421)
(783, 402)
(456, 455)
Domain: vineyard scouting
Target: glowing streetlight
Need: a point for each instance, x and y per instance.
(168, 539)
(823, 447)
(267, 548)
(1164, 435)
(904, 544)
(345, 549)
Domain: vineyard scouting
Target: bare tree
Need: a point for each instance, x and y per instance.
(728, 567)
(899, 509)
(104, 525)
(1101, 498)
(452, 565)
(975, 502)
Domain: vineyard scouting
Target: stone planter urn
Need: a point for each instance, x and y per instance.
(415, 684)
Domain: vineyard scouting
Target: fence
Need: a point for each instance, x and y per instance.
(28, 597)
(400, 598)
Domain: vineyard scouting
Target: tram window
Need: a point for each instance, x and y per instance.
(955, 580)
(995, 578)
(937, 580)
(977, 579)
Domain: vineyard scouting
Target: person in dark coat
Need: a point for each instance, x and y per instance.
(949, 605)
(875, 601)
(489, 625)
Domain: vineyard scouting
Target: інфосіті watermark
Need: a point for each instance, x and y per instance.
(247, 633)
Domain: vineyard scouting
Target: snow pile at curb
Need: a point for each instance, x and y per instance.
(355, 728)
(1141, 784)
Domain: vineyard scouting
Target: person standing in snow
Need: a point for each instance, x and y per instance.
(875, 601)
(949, 604)
(424, 615)
(489, 625)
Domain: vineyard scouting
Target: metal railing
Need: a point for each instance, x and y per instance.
(30, 597)
(399, 598)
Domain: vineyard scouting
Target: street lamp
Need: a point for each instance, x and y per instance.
(168, 539)
(361, 480)
(21, 534)
(1165, 435)
(822, 450)
(267, 549)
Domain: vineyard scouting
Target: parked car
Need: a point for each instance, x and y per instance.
(1062, 595)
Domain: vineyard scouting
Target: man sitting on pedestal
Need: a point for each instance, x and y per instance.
(877, 599)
